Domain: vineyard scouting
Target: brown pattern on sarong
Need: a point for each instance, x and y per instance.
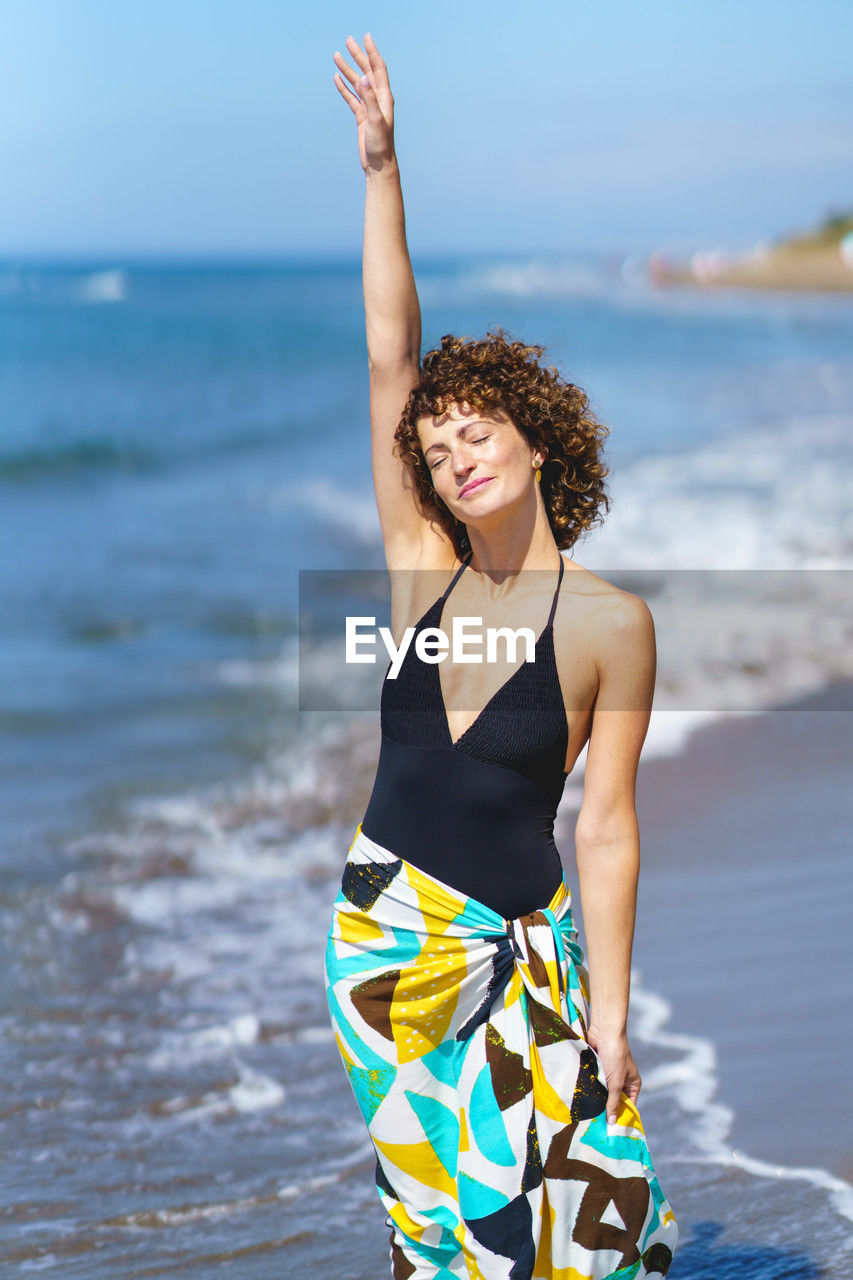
(372, 998)
(630, 1196)
(511, 1079)
(548, 1026)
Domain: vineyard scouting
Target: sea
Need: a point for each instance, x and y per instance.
(182, 442)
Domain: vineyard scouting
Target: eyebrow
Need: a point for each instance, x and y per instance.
(476, 422)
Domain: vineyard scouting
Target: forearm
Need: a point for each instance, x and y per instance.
(608, 872)
(391, 310)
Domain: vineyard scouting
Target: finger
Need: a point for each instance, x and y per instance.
(345, 68)
(358, 53)
(633, 1082)
(371, 102)
(380, 71)
(352, 76)
(614, 1105)
(348, 96)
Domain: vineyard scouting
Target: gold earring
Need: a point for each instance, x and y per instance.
(538, 473)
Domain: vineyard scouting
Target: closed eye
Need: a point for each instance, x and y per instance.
(438, 462)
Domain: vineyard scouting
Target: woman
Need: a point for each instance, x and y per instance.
(492, 1068)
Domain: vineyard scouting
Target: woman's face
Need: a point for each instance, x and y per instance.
(478, 459)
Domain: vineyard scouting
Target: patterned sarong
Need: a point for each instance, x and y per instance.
(463, 1036)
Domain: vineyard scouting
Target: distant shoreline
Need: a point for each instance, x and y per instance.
(816, 261)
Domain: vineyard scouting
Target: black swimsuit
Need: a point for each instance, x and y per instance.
(477, 813)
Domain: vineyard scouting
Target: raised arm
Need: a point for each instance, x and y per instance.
(607, 840)
(392, 313)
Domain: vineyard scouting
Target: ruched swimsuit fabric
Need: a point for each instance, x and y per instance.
(478, 812)
(462, 1030)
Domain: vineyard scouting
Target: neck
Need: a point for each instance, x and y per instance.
(506, 547)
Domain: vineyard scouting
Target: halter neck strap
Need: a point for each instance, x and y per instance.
(556, 593)
(455, 577)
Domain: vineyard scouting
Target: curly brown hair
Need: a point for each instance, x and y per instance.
(552, 414)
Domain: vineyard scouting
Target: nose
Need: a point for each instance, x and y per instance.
(463, 463)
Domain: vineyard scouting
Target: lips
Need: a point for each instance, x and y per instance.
(474, 486)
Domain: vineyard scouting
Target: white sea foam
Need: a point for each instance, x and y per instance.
(537, 277)
(103, 286)
(353, 516)
(186, 812)
(748, 541)
(158, 904)
(278, 674)
(182, 1047)
(253, 1091)
(313, 1035)
(775, 497)
(110, 284)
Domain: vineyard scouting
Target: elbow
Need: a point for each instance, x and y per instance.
(617, 831)
(393, 364)
(609, 864)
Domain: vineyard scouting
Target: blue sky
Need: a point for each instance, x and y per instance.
(214, 127)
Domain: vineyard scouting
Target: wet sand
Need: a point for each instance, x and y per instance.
(743, 917)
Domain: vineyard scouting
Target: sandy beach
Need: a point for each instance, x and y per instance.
(819, 261)
(745, 839)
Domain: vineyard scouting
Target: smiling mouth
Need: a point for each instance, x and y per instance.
(475, 486)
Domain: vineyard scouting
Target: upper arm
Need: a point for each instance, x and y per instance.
(626, 659)
(403, 521)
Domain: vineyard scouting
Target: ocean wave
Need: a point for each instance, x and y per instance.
(773, 497)
(94, 454)
(105, 285)
(86, 453)
(346, 513)
(251, 1091)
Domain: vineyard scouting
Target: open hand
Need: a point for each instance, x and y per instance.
(374, 109)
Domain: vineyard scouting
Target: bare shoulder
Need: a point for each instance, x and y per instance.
(601, 625)
(605, 610)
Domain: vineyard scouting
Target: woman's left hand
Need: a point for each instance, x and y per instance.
(620, 1069)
